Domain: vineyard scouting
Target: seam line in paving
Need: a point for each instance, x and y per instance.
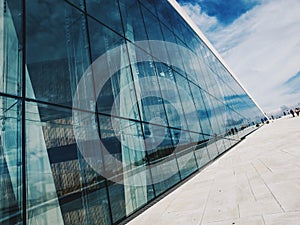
(269, 189)
(292, 155)
(265, 165)
(263, 219)
(251, 187)
(204, 210)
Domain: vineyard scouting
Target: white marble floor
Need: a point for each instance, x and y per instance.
(255, 183)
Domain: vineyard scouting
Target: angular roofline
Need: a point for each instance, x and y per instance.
(190, 22)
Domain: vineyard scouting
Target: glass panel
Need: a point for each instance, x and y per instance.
(130, 186)
(112, 73)
(166, 14)
(200, 143)
(212, 147)
(78, 3)
(106, 12)
(170, 94)
(174, 55)
(102, 40)
(160, 151)
(147, 87)
(64, 185)
(152, 25)
(203, 111)
(151, 5)
(184, 149)
(187, 100)
(10, 47)
(132, 20)
(57, 53)
(10, 161)
(117, 95)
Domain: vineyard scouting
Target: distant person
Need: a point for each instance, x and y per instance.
(292, 112)
(297, 110)
(284, 113)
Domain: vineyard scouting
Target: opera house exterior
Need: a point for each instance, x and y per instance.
(107, 104)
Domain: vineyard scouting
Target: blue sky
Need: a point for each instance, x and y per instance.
(259, 40)
(225, 11)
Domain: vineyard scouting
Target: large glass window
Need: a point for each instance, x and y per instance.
(57, 54)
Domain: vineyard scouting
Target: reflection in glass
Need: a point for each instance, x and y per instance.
(10, 161)
(125, 163)
(107, 12)
(56, 55)
(10, 47)
(160, 114)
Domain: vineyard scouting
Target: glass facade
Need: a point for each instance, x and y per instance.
(104, 106)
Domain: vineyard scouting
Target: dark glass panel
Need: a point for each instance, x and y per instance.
(151, 5)
(57, 54)
(78, 3)
(107, 12)
(152, 25)
(102, 40)
(132, 20)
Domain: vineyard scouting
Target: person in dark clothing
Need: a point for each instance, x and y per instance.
(292, 112)
(297, 111)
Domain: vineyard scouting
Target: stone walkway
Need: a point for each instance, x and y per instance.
(255, 183)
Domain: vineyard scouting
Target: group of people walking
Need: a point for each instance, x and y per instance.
(297, 111)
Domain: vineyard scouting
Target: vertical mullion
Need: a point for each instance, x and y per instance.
(23, 108)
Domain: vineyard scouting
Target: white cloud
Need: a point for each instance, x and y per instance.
(203, 21)
(262, 47)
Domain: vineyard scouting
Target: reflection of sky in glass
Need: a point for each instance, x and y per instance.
(164, 107)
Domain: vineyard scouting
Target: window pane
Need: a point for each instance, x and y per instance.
(161, 157)
(125, 159)
(78, 3)
(170, 95)
(184, 152)
(57, 53)
(64, 186)
(10, 161)
(132, 20)
(11, 47)
(201, 153)
(107, 12)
